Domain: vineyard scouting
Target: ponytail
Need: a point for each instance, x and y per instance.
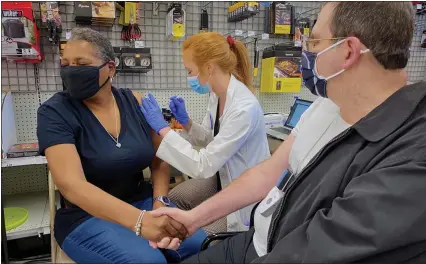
(242, 69)
(229, 54)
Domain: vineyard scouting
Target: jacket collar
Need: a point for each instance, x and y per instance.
(392, 113)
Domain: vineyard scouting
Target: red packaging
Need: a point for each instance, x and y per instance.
(20, 37)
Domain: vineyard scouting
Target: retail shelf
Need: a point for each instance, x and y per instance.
(13, 162)
(37, 204)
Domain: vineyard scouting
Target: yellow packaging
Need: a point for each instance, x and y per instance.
(280, 75)
(283, 19)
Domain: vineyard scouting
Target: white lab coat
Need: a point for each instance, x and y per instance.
(240, 144)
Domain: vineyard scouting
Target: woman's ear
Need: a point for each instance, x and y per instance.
(210, 69)
(111, 67)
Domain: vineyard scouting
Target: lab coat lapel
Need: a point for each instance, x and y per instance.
(230, 93)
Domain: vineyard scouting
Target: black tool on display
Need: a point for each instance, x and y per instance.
(51, 28)
(256, 58)
(204, 21)
(52, 20)
(133, 60)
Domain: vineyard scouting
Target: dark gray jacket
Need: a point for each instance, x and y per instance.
(363, 197)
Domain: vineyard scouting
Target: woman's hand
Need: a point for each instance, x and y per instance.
(152, 113)
(184, 217)
(177, 106)
(167, 243)
(155, 228)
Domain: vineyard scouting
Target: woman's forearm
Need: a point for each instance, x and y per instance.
(188, 126)
(160, 175)
(101, 204)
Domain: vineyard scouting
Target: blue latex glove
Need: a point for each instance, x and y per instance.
(177, 106)
(152, 112)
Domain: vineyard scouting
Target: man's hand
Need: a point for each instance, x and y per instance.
(157, 227)
(184, 217)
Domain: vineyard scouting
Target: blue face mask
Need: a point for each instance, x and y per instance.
(316, 83)
(196, 86)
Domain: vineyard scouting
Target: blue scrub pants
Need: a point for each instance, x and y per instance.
(99, 241)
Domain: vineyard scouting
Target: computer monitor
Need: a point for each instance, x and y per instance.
(298, 108)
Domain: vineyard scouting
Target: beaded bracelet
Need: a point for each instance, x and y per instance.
(139, 223)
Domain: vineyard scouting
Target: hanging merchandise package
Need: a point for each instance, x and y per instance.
(301, 30)
(281, 69)
(20, 38)
(282, 18)
(176, 20)
(94, 13)
(52, 20)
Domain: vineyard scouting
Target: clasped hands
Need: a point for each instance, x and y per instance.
(166, 227)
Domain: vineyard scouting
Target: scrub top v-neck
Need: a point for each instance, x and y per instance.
(117, 171)
(122, 130)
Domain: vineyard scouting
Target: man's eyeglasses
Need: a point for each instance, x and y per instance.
(308, 43)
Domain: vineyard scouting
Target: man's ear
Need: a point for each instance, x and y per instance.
(353, 47)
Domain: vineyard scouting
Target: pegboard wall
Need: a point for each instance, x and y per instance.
(33, 84)
(24, 179)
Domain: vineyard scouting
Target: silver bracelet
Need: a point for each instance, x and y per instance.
(139, 223)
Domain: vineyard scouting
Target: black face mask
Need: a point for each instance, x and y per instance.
(82, 82)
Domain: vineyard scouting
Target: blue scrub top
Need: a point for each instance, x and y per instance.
(117, 171)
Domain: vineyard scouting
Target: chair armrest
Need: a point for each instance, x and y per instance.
(218, 236)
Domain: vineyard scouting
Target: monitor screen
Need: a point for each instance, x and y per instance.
(298, 109)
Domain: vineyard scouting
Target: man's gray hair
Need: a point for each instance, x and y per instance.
(100, 42)
(385, 27)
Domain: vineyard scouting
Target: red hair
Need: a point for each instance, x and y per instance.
(229, 54)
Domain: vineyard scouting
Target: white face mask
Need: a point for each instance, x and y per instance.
(324, 51)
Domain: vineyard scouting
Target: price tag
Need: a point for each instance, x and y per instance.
(251, 33)
(265, 36)
(139, 44)
(238, 32)
(68, 34)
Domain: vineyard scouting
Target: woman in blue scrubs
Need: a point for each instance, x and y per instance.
(97, 143)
